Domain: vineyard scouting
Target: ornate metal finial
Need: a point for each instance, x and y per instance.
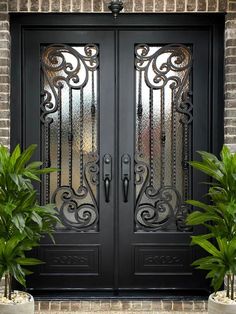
(115, 6)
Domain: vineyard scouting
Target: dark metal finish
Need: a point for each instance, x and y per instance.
(168, 69)
(64, 66)
(107, 175)
(123, 224)
(125, 175)
(74, 212)
(115, 6)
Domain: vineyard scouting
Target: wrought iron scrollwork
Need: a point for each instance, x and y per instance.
(157, 208)
(78, 210)
(66, 73)
(54, 60)
(163, 131)
(158, 74)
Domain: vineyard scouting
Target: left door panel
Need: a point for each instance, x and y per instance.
(68, 110)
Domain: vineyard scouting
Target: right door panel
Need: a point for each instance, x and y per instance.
(163, 116)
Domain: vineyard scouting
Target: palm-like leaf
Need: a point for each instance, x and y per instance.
(218, 215)
(22, 220)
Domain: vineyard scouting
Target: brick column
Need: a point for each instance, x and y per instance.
(230, 77)
(4, 73)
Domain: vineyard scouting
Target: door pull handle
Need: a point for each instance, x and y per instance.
(125, 175)
(107, 175)
(126, 189)
(107, 190)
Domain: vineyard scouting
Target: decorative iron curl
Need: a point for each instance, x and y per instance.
(47, 106)
(58, 71)
(156, 209)
(181, 216)
(85, 214)
(158, 74)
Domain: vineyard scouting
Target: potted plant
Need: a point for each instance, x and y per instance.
(22, 224)
(218, 216)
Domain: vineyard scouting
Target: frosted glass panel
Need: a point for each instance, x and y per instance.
(163, 130)
(69, 115)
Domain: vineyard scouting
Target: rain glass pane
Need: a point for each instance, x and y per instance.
(163, 132)
(69, 115)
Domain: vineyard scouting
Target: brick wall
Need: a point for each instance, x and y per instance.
(167, 6)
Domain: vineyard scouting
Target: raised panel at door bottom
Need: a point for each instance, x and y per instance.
(162, 260)
(73, 260)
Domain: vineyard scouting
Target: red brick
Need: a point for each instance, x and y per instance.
(170, 6)
(23, 5)
(12, 5)
(97, 5)
(4, 106)
(105, 6)
(180, 5)
(229, 113)
(65, 5)
(34, 7)
(148, 6)
(159, 5)
(178, 306)
(55, 306)
(4, 88)
(65, 306)
(201, 5)
(87, 6)
(232, 6)
(3, 7)
(5, 141)
(55, 5)
(75, 306)
(44, 305)
(212, 5)
(138, 5)
(167, 305)
(191, 5)
(4, 132)
(128, 7)
(76, 5)
(45, 5)
(188, 305)
(222, 5)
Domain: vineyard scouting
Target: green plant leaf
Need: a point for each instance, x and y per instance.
(28, 261)
(36, 218)
(32, 176)
(14, 156)
(206, 245)
(34, 165)
(216, 174)
(25, 157)
(19, 221)
(46, 170)
(197, 218)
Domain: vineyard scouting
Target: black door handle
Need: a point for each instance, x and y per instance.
(107, 175)
(125, 189)
(125, 175)
(107, 190)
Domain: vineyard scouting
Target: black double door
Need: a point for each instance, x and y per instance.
(120, 111)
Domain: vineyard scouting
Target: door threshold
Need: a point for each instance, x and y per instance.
(183, 295)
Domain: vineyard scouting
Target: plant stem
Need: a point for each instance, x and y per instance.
(232, 287)
(228, 283)
(6, 283)
(10, 282)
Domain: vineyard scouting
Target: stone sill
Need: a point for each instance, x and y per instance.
(123, 306)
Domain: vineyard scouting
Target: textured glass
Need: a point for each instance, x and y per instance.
(163, 120)
(69, 114)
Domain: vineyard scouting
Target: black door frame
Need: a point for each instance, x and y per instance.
(214, 23)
